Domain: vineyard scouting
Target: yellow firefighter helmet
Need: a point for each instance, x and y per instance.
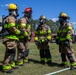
(42, 17)
(12, 6)
(63, 15)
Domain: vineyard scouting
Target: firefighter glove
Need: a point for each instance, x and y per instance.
(21, 32)
(57, 42)
(67, 42)
(47, 40)
(36, 42)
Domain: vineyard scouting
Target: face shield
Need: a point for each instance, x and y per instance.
(61, 20)
(42, 21)
(14, 13)
(28, 14)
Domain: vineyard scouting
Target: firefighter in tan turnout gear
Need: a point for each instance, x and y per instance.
(64, 40)
(23, 45)
(10, 33)
(42, 39)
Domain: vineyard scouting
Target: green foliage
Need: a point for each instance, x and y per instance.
(52, 25)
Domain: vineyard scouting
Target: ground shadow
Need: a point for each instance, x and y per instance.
(54, 64)
(38, 62)
(1, 66)
(34, 61)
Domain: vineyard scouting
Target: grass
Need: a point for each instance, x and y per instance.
(33, 67)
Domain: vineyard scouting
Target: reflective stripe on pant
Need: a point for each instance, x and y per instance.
(42, 55)
(48, 55)
(45, 54)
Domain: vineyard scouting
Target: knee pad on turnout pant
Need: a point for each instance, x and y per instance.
(70, 57)
(11, 53)
(26, 53)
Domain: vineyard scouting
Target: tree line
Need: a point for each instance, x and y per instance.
(53, 25)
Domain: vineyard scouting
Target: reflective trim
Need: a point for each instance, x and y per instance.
(29, 37)
(42, 58)
(28, 26)
(25, 61)
(11, 24)
(22, 25)
(66, 63)
(69, 28)
(57, 37)
(26, 33)
(6, 67)
(62, 39)
(49, 31)
(21, 36)
(48, 37)
(19, 63)
(64, 31)
(73, 64)
(5, 26)
(60, 31)
(42, 40)
(12, 64)
(41, 32)
(12, 37)
(49, 59)
(68, 37)
(17, 32)
(36, 39)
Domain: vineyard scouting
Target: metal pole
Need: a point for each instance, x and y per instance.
(57, 71)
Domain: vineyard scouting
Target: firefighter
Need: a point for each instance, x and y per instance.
(64, 40)
(10, 33)
(23, 45)
(42, 39)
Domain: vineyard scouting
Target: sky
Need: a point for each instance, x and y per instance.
(49, 8)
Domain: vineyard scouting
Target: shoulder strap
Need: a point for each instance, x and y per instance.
(3, 18)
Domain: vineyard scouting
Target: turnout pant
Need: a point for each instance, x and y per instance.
(67, 53)
(23, 50)
(10, 51)
(45, 54)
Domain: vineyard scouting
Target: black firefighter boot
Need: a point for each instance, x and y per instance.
(7, 69)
